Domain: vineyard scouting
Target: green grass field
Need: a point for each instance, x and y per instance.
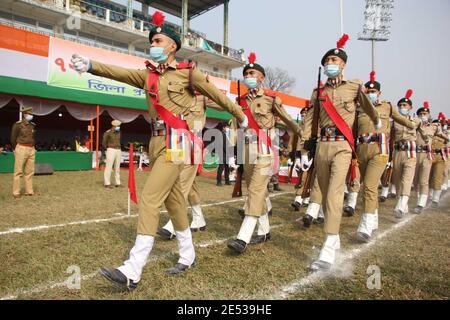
(413, 256)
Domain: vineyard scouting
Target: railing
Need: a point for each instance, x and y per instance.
(116, 14)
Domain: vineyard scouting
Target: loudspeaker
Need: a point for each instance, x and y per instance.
(43, 169)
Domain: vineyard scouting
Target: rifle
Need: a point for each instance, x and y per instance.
(237, 190)
(387, 174)
(311, 143)
(293, 156)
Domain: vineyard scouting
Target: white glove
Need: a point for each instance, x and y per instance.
(244, 124)
(305, 164)
(379, 124)
(80, 63)
(389, 165)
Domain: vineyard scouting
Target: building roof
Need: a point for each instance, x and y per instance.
(174, 7)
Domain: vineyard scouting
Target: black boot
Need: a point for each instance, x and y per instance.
(118, 279)
(276, 187)
(179, 268)
(296, 206)
(165, 234)
(242, 213)
(382, 199)
(260, 239)
(237, 245)
(349, 211)
(307, 220)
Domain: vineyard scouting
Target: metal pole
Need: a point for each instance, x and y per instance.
(185, 17)
(97, 129)
(342, 16)
(225, 23)
(373, 54)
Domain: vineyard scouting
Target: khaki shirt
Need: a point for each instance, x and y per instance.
(439, 142)
(23, 132)
(173, 89)
(266, 109)
(385, 111)
(345, 98)
(404, 133)
(427, 132)
(111, 139)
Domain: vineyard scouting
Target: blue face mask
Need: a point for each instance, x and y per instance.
(250, 83)
(157, 54)
(117, 129)
(404, 111)
(373, 97)
(332, 70)
(29, 117)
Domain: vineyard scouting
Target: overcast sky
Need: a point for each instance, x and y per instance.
(294, 35)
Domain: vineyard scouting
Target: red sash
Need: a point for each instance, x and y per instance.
(169, 118)
(261, 134)
(342, 126)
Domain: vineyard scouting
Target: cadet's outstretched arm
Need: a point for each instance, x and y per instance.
(401, 119)
(285, 117)
(368, 107)
(135, 78)
(206, 88)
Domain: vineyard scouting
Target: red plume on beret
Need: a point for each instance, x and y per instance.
(158, 18)
(342, 41)
(441, 117)
(426, 105)
(408, 94)
(372, 77)
(251, 58)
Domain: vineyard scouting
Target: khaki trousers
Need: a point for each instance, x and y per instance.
(332, 163)
(164, 186)
(112, 159)
(23, 166)
(371, 167)
(194, 193)
(422, 174)
(437, 172)
(257, 175)
(403, 174)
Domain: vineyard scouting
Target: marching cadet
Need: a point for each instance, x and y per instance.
(260, 156)
(23, 141)
(425, 154)
(170, 92)
(404, 157)
(111, 143)
(189, 187)
(447, 167)
(439, 145)
(314, 211)
(335, 111)
(373, 154)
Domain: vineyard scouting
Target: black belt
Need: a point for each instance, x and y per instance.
(158, 127)
(330, 132)
(402, 146)
(423, 149)
(368, 138)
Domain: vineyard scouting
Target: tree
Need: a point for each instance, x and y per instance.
(278, 80)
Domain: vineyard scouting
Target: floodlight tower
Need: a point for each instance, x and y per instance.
(377, 23)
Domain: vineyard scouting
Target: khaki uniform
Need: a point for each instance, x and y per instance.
(439, 163)
(333, 158)
(111, 143)
(424, 140)
(23, 141)
(373, 152)
(258, 168)
(404, 161)
(163, 183)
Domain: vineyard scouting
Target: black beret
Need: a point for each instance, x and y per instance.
(408, 101)
(168, 31)
(422, 110)
(335, 52)
(374, 85)
(254, 66)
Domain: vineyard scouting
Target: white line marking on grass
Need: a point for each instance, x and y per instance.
(343, 258)
(52, 285)
(120, 217)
